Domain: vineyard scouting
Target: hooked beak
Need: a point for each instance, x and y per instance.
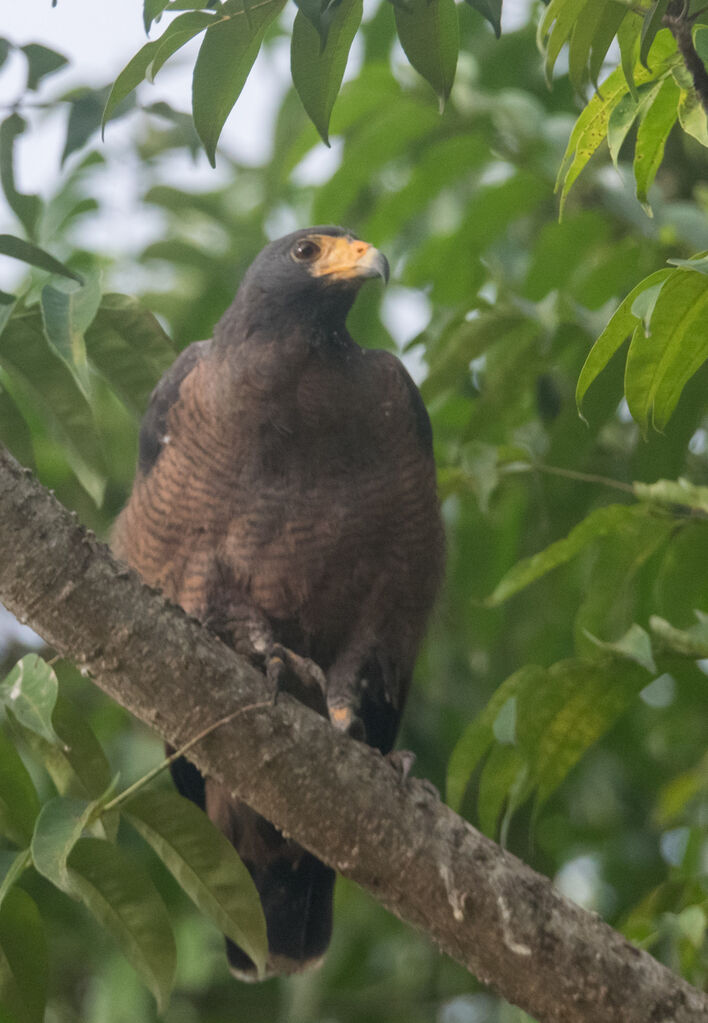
(349, 259)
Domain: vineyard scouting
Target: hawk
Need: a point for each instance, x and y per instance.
(286, 496)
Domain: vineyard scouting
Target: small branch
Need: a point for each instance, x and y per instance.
(339, 798)
(572, 474)
(126, 794)
(680, 23)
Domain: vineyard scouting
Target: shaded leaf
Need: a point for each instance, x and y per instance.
(27, 208)
(611, 20)
(59, 827)
(67, 312)
(223, 65)
(125, 902)
(17, 248)
(672, 492)
(129, 78)
(635, 645)
(581, 40)
(597, 524)
(19, 802)
(563, 16)
(41, 61)
(663, 358)
(30, 692)
(479, 735)
(12, 867)
(57, 396)
(491, 10)
(654, 127)
(24, 967)
(317, 72)
(178, 34)
(77, 765)
(650, 27)
(628, 39)
(692, 642)
(621, 325)
(692, 115)
(429, 33)
(126, 343)
(152, 9)
(205, 864)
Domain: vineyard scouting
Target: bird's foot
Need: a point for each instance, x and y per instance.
(299, 676)
(345, 720)
(401, 760)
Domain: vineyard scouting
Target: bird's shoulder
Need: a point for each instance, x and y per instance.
(397, 394)
(153, 428)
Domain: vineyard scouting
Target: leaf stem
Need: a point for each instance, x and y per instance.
(573, 474)
(146, 778)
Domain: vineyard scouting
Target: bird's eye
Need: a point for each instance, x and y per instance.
(305, 251)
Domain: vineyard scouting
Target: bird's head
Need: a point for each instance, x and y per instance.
(310, 277)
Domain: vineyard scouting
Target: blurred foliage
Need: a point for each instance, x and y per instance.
(561, 694)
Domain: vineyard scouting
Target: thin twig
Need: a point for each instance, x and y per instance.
(583, 477)
(136, 786)
(680, 23)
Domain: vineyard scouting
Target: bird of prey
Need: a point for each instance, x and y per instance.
(286, 496)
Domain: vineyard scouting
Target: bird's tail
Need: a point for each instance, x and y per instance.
(295, 889)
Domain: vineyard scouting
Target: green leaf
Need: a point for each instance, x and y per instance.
(77, 765)
(178, 33)
(5, 48)
(673, 492)
(625, 114)
(635, 645)
(125, 902)
(650, 27)
(19, 802)
(223, 65)
(581, 39)
(127, 345)
(59, 826)
(27, 208)
(50, 386)
(611, 21)
(429, 33)
(597, 524)
(491, 10)
(591, 127)
(317, 72)
(661, 360)
(30, 692)
(24, 967)
(691, 642)
(152, 9)
(628, 39)
(579, 701)
(41, 61)
(205, 864)
(85, 114)
(17, 248)
(129, 78)
(699, 263)
(653, 131)
(67, 312)
(621, 325)
(12, 869)
(563, 16)
(692, 116)
(479, 735)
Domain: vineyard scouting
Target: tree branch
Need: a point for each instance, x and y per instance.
(680, 23)
(339, 798)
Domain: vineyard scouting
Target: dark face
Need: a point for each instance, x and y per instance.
(325, 256)
(312, 275)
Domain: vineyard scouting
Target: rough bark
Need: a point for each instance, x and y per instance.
(337, 797)
(680, 24)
